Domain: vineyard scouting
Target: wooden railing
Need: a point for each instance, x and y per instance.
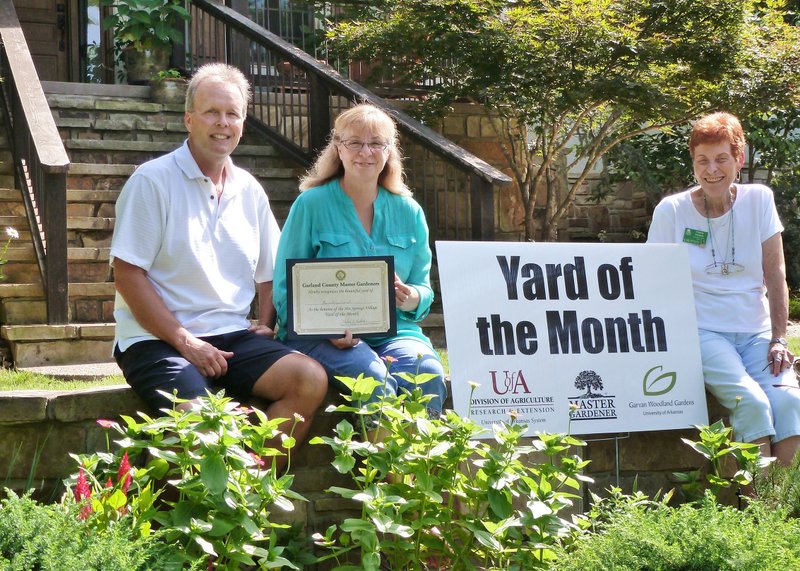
(296, 99)
(40, 161)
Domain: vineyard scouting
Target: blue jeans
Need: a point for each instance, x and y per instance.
(760, 403)
(412, 356)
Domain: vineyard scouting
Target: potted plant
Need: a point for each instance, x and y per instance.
(168, 86)
(144, 32)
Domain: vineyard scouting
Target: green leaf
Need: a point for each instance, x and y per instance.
(214, 474)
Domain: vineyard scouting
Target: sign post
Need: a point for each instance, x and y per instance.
(579, 338)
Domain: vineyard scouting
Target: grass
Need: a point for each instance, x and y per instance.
(11, 380)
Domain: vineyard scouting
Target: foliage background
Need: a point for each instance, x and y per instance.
(566, 82)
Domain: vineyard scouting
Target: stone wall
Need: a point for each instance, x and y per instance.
(38, 429)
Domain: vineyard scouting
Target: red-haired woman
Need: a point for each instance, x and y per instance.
(733, 236)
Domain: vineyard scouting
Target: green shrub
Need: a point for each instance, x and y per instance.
(715, 445)
(700, 537)
(794, 307)
(432, 494)
(39, 537)
(211, 465)
(779, 488)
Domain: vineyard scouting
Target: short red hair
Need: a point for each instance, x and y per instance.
(718, 127)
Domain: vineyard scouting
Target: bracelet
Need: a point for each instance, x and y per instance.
(779, 341)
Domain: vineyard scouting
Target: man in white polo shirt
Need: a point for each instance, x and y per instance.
(193, 235)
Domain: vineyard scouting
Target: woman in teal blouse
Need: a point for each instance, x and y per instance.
(354, 202)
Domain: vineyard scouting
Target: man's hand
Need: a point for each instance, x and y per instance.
(210, 361)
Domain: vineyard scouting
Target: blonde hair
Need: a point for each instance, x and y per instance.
(363, 116)
(718, 127)
(222, 73)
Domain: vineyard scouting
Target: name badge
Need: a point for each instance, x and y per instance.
(692, 236)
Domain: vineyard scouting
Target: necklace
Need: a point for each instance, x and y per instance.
(723, 267)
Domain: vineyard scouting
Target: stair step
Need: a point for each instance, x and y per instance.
(10, 194)
(117, 145)
(79, 195)
(77, 290)
(40, 345)
(81, 372)
(25, 253)
(24, 304)
(163, 147)
(100, 169)
(89, 223)
(57, 332)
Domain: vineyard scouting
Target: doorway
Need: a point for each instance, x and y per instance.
(65, 39)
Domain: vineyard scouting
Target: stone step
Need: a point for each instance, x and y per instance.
(41, 345)
(262, 150)
(24, 304)
(84, 372)
(77, 290)
(78, 196)
(85, 264)
(24, 252)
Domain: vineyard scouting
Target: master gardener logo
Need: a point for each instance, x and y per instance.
(340, 275)
(592, 404)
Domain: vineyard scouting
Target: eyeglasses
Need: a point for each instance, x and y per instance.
(354, 145)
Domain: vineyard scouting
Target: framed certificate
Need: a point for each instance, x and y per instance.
(328, 295)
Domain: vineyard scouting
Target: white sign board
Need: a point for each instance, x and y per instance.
(579, 338)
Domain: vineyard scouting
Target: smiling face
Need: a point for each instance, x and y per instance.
(363, 162)
(715, 167)
(215, 124)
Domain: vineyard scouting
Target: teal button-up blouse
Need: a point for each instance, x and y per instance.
(323, 223)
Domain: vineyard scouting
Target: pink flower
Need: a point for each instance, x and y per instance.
(258, 459)
(106, 423)
(389, 359)
(124, 473)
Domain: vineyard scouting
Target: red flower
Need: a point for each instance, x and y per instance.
(82, 489)
(109, 483)
(124, 473)
(82, 494)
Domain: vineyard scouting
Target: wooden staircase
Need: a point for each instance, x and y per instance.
(107, 130)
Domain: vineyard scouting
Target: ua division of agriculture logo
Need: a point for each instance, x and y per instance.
(591, 405)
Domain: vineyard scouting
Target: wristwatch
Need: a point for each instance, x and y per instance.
(780, 340)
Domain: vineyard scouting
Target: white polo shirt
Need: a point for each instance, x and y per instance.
(734, 303)
(201, 254)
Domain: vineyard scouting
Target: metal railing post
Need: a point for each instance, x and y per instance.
(319, 120)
